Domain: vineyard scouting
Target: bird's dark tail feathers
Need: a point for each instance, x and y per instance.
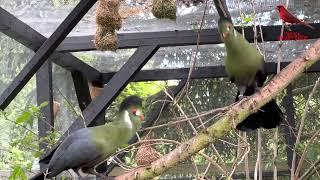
(39, 176)
(268, 116)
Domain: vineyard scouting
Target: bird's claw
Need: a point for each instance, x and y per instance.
(287, 27)
(242, 97)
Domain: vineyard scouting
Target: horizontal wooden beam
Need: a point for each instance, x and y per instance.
(198, 73)
(44, 52)
(182, 38)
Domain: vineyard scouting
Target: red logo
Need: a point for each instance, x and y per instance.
(292, 36)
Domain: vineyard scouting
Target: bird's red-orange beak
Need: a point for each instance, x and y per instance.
(137, 113)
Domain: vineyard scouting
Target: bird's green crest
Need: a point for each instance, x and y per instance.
(131, 101)
(132, 105)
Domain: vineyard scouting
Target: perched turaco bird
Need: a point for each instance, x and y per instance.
(88, 147)
(245, 67)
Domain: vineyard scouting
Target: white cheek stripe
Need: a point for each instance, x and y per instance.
(127, 119)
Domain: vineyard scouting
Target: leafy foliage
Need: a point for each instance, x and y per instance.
(18, 173)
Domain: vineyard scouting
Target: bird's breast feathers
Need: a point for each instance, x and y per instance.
(243, 69)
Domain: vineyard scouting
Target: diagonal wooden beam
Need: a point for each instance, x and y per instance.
(46, 49)
(183, 37)
(109, 92)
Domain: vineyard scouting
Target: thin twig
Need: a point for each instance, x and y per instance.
(189, 122)
(219, 110)
(304, 115)
(194, 59)
(313, 169)
(202, 125)
(72, 108)
(213, 163)
(258, 161)
(246, 159)
(312, 139)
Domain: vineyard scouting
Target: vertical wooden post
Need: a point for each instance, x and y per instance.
(45, 94)
(289, 124)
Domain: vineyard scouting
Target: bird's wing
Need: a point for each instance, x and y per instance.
(81, 152)
(74, 151)
(290, 18)
(261, 75)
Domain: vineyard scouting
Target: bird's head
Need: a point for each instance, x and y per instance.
(133, 105)
(279, 8)
(225, 28)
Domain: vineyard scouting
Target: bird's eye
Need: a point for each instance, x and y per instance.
(228, 27)
(136, 112)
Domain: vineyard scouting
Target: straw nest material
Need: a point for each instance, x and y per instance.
(106, 40)
(164, 9)
(107, 14)
(108, 20)
(146, 154)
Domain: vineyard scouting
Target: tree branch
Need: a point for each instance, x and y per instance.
(236, 114)
(221, 6)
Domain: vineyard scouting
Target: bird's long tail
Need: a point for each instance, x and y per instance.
(39, 176)
(268, 116)
(307, 25)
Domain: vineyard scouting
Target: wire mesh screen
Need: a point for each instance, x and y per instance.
(184, 119)
(202, 104)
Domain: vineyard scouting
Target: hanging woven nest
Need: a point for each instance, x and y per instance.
(146, 154)
(164, 9)
(188, 3)
(107, 14)
(105, 40)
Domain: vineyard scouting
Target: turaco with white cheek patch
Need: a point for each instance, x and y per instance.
(86, 148)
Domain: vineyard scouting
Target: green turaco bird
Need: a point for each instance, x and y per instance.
(245, 67)
(88, 147)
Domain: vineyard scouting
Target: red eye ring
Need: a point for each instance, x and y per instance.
(134, 111)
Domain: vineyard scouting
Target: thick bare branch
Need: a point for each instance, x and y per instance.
(221, 6)
(237, 113)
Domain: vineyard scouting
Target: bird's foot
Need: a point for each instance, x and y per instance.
(100, 175)
(258, 88)
(94, 172)
(287, 27)
(242, 97)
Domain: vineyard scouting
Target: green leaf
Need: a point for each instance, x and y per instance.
(44, 104)
(247, 19)
(124, 145)
(18, 174)
(23, 117)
